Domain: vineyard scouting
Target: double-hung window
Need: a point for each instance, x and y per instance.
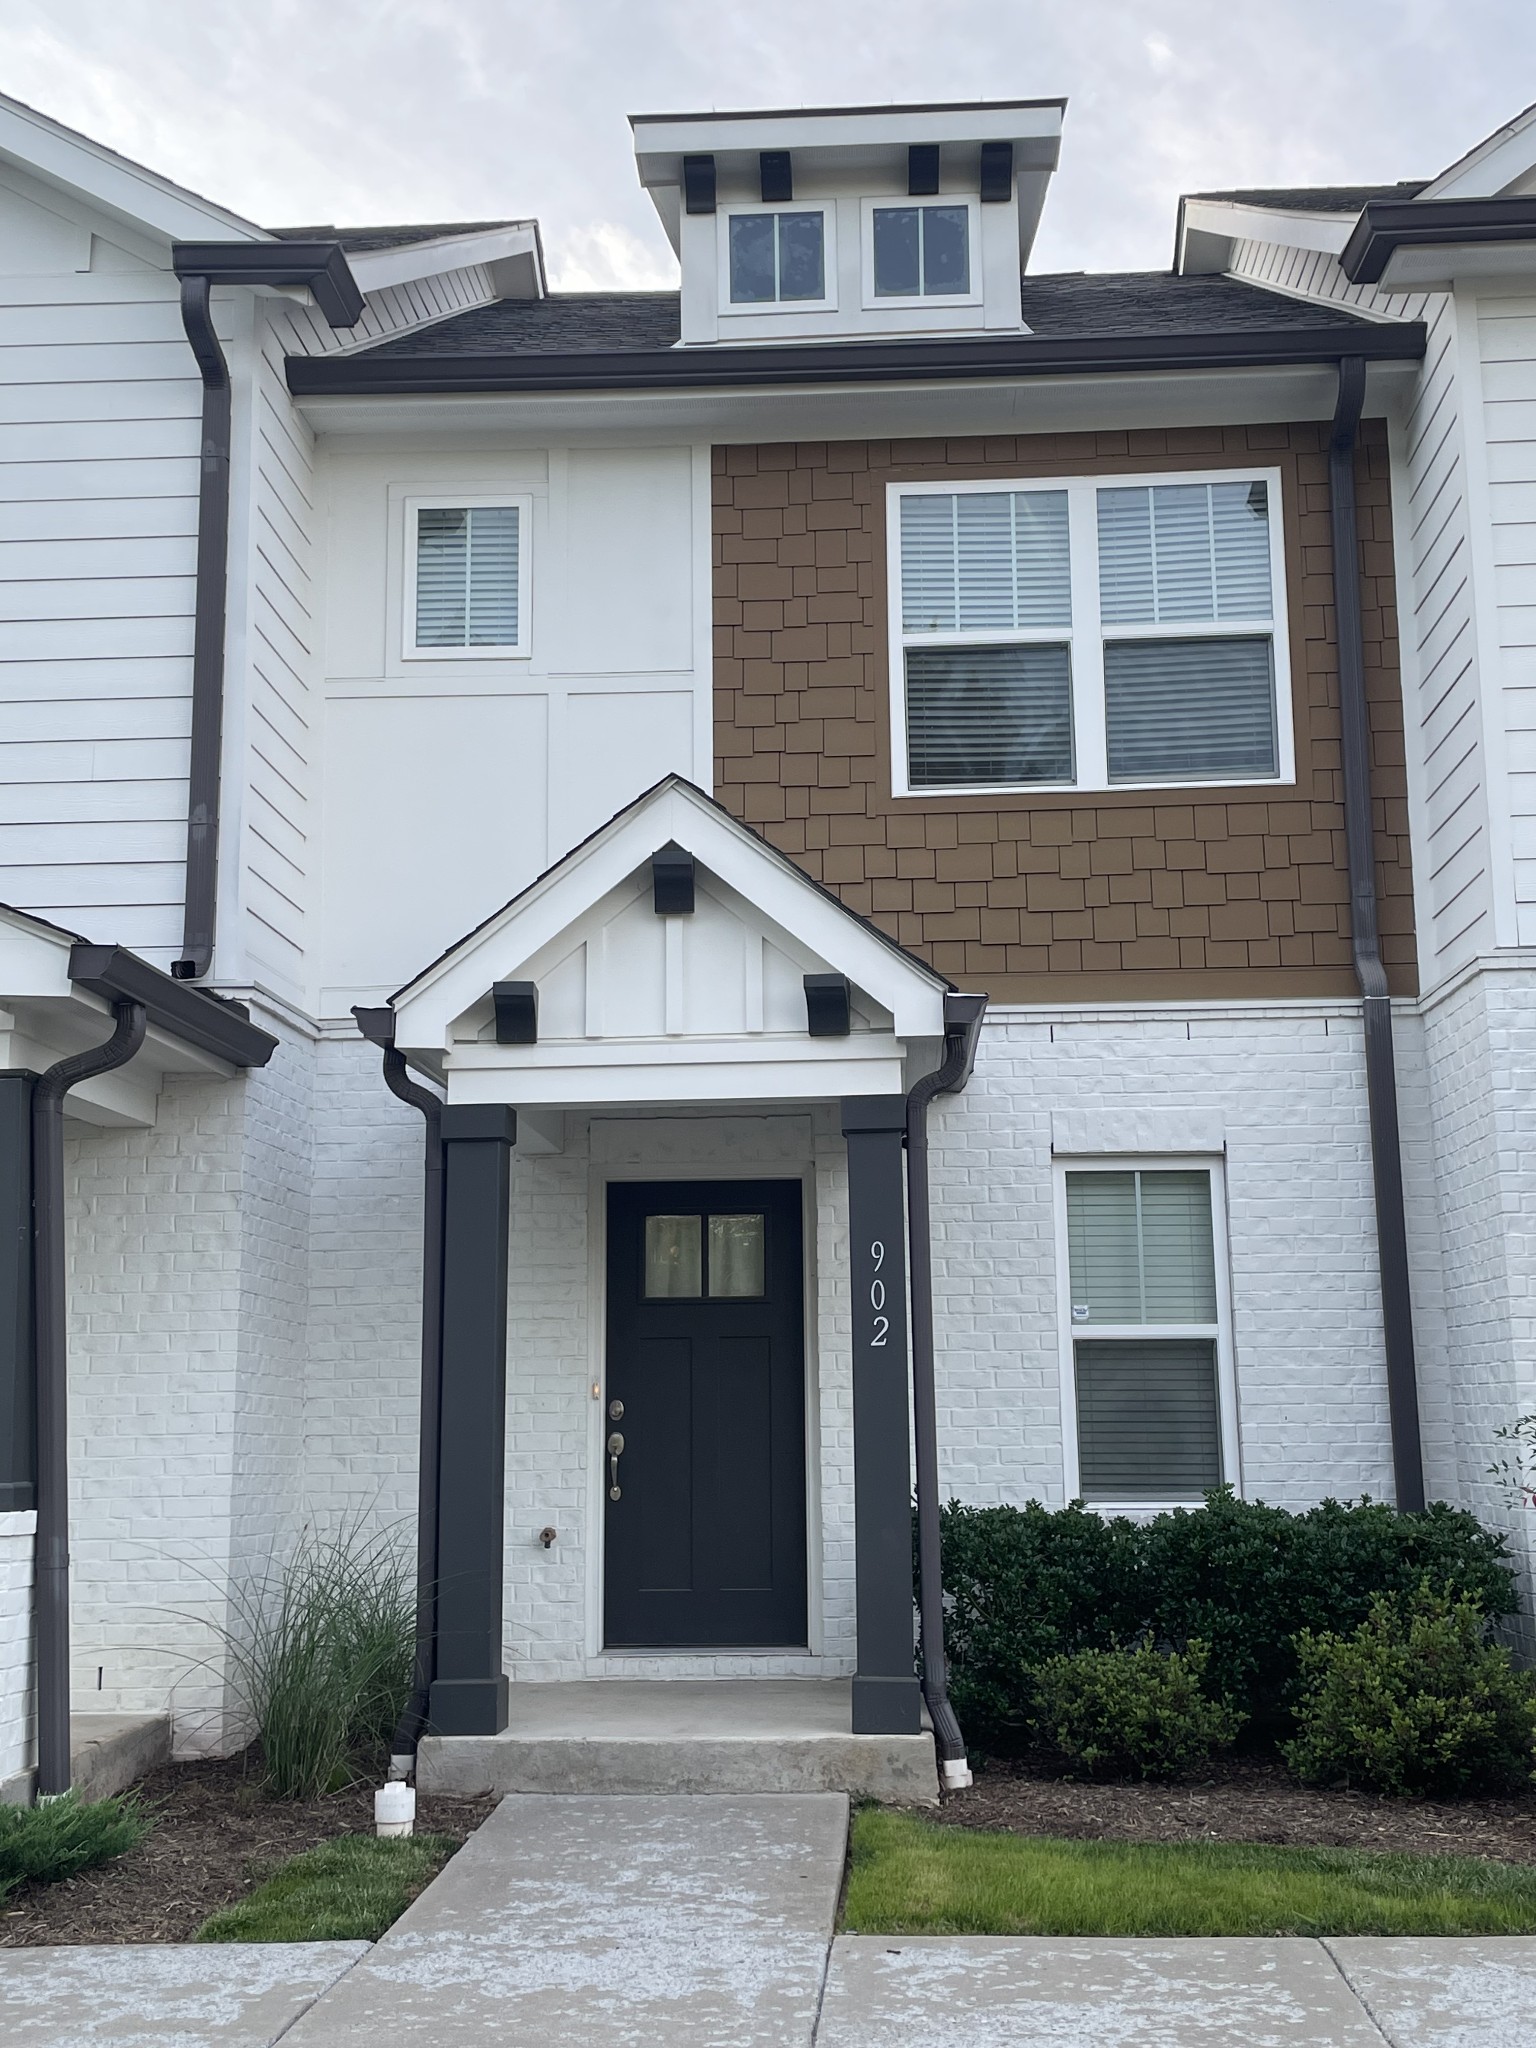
(467, 577)
(1146, 1366)
(776, 257)
(1088, 633)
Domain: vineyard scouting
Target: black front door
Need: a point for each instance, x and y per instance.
(706, 1390)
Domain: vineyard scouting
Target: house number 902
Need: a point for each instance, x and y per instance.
(877, 1297)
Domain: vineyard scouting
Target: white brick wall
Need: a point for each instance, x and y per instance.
(16, 1542)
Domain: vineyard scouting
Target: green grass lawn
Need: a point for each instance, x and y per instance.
(909, 1876)
(347, 1890)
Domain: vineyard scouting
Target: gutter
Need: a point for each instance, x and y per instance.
(775, 365)
(962, 1028)
(200, 265)
(378, 1027)
(1387, 225)
(50, 1341)
(196, 1016)
(1365, 940)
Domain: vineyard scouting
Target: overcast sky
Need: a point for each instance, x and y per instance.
(351, 111)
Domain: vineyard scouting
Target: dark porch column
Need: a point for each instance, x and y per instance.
(886, 1698)
(18, 1375)
(469, 1690)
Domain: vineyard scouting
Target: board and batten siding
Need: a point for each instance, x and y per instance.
(1458, 834)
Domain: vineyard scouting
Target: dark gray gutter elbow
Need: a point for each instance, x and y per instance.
(50, 1325)
(378, 1027)
(962, 1028)
(1365, 940)
(321, 266)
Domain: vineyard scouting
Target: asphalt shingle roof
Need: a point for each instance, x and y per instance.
(358, 241)
(1318, 198)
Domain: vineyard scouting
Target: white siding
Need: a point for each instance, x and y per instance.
(1506, 332)
(1454, 857)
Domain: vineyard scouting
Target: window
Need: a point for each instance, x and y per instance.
(683, 1261)
(1145, 1353)
(466, 578)
(921, 251)
(776, 258)
(1086, 634)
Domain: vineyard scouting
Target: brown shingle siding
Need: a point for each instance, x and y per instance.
(1059, 896)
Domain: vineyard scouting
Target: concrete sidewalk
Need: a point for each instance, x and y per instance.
(702, 1922)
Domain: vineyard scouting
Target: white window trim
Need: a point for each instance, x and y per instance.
(1086, 645)
(972, 204)
(731, 309)
(468, 501)
(1226, 1370)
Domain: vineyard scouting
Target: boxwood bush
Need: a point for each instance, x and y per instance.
(1025, 1584)
(1415, 1700)
(1138, 1713)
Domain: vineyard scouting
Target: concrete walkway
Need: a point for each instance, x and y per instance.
(708, 1923)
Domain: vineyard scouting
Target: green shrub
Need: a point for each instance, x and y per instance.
(1416, 1699)
(1137, 1713)
(1025, 1584)
(1022, 1585)
(321, 1652)
(62, 1836)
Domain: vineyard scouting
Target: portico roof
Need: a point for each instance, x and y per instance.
(635, 1006)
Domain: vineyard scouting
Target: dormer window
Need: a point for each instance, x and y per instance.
(920, 252)
(776, 257)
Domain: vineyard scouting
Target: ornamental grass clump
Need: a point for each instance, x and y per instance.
(321, 1653)
(1139, 1713)
(1415, 1700)
(62, 1836)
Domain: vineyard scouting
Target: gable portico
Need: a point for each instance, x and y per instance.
(682, 1003)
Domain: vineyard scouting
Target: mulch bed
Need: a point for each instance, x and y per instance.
(216, 1838)
(1246, 1799)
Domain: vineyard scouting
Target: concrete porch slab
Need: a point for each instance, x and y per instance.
(106, 1753)
(201, 1995)
(608, 1923)
(665, 1736)
(980, 1991)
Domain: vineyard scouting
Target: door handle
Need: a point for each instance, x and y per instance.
(615, 1452)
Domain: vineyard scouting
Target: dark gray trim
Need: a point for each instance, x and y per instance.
(699, 184)
(516, 1004)
(828, 1005)
(197, 1017)
(1387, 225)
(833, 113)
(1380, 1066)
(413, 1721)
(672, 881)
(962, 1029)
(205, 754)
(321, 265)
(886, 1698)
(922, 169)
(996, 173)
(50, 1310)
(775, 177)
(782, 364)
(18, 1394)
(469, 1688)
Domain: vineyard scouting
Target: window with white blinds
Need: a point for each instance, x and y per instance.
(1145, 1335)
(1088, 634)
(467, 588)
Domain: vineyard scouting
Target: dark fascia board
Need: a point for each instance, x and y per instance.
(1387, 225)
(322, 266)
(198, 1018)
(895, 108)
(859, 362)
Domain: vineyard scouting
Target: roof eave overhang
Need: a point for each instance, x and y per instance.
(1387, 226)
(849, 363)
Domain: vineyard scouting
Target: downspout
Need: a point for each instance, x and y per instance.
(207, 638)
(50, 1312)
(962, 1028)
(1365, 938)
(413, 1722)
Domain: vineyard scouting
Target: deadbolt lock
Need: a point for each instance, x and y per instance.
(615, 1411)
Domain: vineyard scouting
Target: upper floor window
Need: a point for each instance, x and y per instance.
(1087, 634)
(921, 251)
(776, 257)
(466, 577)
